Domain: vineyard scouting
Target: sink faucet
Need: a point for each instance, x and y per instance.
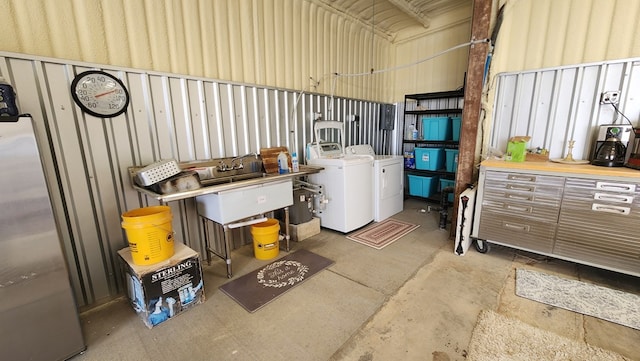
(241, 158)
(223, 167)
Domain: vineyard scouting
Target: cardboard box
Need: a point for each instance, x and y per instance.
(163, 290)
(302, 231)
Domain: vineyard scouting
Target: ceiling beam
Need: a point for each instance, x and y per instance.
(412, 11)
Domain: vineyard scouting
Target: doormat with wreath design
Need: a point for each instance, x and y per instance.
(256, 289)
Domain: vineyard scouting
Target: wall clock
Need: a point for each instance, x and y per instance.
(99, 94)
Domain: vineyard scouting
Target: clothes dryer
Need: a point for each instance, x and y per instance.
(388, 181)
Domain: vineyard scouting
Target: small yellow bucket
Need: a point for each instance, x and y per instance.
(149, 233)
(265, 239)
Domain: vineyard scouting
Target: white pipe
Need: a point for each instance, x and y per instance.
(247, 223)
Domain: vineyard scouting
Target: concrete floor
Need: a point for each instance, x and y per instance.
(413, 300)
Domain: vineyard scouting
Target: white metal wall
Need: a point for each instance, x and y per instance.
(169, 116)
(556, 105)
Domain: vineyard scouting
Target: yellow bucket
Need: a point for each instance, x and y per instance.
(149, 233)
(265, 239)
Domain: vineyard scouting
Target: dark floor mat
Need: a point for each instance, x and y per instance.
(258, 288)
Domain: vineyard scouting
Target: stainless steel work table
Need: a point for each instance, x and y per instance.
(221, 188)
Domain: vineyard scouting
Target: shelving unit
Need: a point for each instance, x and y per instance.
(416, 106)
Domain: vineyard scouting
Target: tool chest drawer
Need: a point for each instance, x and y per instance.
(601, 197)
(523, 188)
(518, 231)
(600, 222)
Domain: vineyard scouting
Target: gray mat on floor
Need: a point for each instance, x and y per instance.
(256, 289)
(585, 298)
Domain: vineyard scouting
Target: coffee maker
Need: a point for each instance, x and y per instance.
(611, 146)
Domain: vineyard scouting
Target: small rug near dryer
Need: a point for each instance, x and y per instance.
(382, 234)
(256, 289)
(585, 298)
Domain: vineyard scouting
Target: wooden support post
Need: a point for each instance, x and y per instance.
(480, 22)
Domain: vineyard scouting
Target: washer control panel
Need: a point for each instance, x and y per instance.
(360, 149)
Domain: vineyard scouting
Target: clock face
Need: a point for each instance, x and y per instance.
(99, 94)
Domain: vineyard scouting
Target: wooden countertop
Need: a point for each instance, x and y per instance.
(552, 167)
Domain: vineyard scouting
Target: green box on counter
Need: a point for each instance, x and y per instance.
(517, 149)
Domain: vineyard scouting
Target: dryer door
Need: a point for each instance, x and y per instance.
(390, 178)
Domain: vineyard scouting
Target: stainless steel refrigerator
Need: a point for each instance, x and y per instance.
(38, 314)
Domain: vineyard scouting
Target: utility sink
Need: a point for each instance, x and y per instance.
(249, 199)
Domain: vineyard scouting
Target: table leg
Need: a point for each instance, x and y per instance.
(227, 250)
(286, 227)
(207, 248)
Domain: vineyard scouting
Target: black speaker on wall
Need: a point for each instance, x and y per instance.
(387, 115)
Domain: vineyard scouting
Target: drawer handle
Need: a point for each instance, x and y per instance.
(515, 226)
(613, 198)
(516, 208)
(618, 187)
(518, 196)
(610, 209)
(520, 188)
(521, 178)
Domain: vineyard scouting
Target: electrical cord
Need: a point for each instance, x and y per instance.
(624, 116)
(372, 72)
(336, 75)
(419, 61)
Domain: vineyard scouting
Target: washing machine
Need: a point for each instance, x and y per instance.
(388, 181)
(347, 181)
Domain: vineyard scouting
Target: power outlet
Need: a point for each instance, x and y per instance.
(610, 97)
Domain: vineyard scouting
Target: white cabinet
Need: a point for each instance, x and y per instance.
(585, 214)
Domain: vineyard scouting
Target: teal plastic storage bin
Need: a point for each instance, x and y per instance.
(444, 183)
(429, 158)
(451, 160)
(436, 128)
(422, 186)
(456, 122)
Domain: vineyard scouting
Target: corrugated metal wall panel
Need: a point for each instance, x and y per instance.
(549, 38)
(556, 105)
(278, 43)
(169, 116)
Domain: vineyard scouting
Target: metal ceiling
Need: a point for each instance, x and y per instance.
(392, 17)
